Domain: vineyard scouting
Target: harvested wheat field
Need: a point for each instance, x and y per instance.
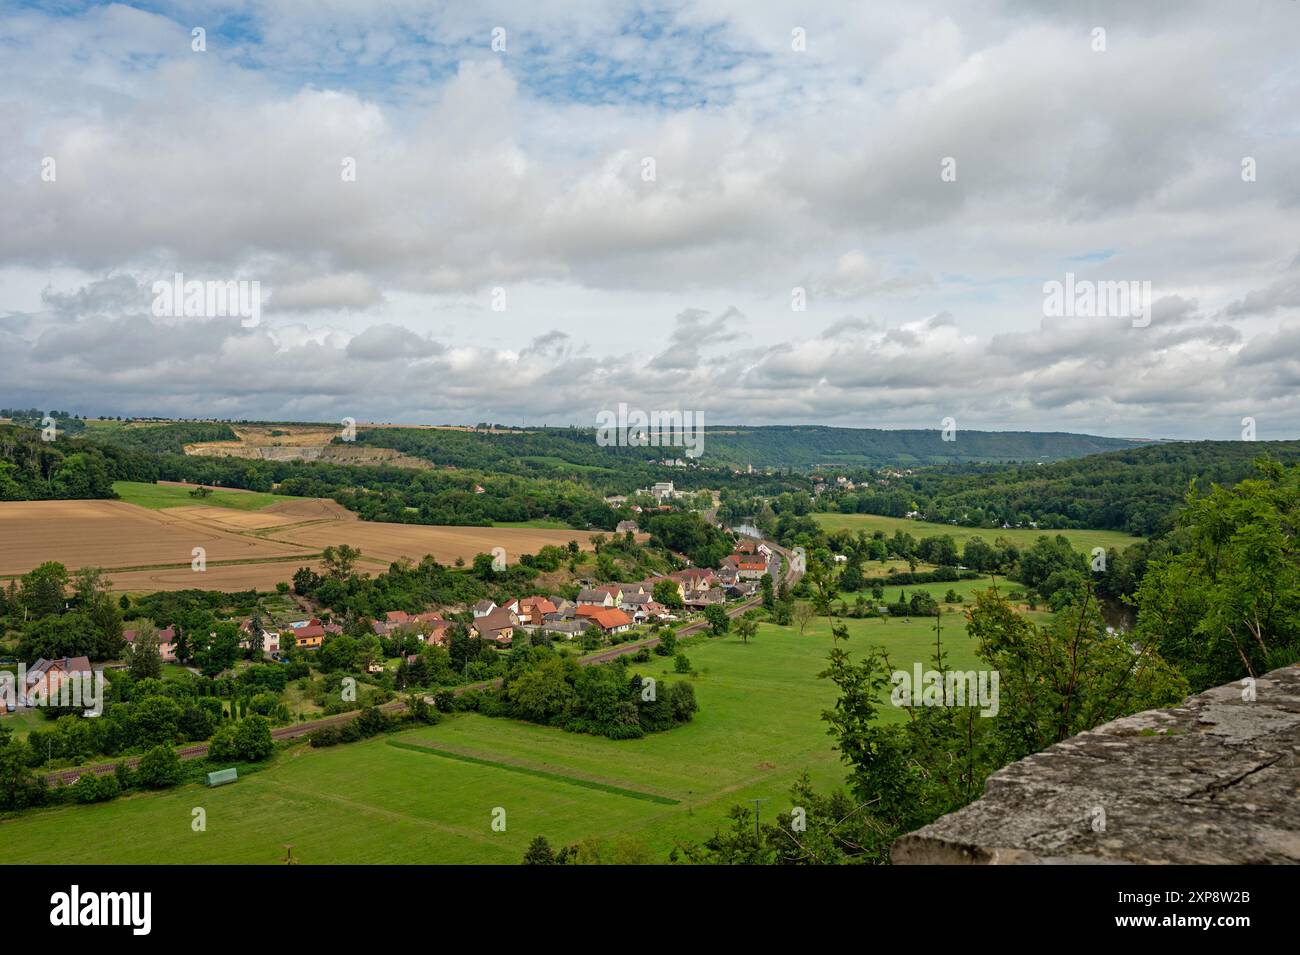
(230, 578)
(113, 534)
(145, 549)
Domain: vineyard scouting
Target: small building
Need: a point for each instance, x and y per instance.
(45, 677)
(611, 621)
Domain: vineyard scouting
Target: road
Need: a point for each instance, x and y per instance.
(199, 750)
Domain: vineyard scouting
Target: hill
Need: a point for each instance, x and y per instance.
(1136, 490)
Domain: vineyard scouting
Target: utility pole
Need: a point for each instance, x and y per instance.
(757, 803)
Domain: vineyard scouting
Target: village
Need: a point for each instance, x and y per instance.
(611, 612)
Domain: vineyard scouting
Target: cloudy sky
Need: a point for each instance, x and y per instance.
(629, 200)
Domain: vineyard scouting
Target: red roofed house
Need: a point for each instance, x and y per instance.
(610, 621)
(531, 611)
(306, 634)
(46, 676)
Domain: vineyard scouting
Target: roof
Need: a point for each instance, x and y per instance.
(536, 604)
(397, 616)
(484, 606)
(499, 619)
(64, 664)
(596, 594)
(609, 619)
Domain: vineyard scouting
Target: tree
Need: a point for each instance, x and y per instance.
(146, 661)
(156, 719)
(719, 622)
(253, 737)
(159, 768)
(667, 593)
(746, 627)
(42, 593)
(339, 560)
(219, 650)
(803, 615)
(1228, 606)
(539, 852)
(851, 579)
(255, 639)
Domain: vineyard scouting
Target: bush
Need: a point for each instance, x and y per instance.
(253, 739)
(224, 748)
(159, 768)
(682, 663)
(91, 788)
(325, 736)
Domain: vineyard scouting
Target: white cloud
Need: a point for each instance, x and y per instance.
(773, 169)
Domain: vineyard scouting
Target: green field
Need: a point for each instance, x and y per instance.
(431, 798)
(965, 589)
(160, 496)
(22, 722)
(544, 523)
(1020, 536)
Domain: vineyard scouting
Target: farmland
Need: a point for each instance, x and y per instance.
(758, 726)
(1020, 536)
(250, 540)
(165, 495)
(114, 534)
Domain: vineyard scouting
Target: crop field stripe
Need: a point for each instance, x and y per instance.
(540, 773)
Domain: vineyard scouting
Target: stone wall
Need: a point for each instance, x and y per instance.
(1215, 780)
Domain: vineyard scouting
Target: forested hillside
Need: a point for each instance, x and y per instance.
(806, 447)
(33, 470)
(1136, 490)
(779, 447)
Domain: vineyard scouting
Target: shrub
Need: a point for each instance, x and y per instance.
(681, 663)
(223, 748)
(325, 736)
(91, 788)
(253, 739)
(159, 768)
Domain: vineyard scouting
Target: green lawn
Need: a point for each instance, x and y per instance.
(1020, 536)
(22, 722)
(160, 496)
(545, 523)
(558, 462)
(759, 725)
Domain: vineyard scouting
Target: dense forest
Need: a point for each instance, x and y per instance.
(737, 447)
(1136, 490)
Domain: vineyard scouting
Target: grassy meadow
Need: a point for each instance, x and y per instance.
(1020, 536)
(161, 496)
(430, 797)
